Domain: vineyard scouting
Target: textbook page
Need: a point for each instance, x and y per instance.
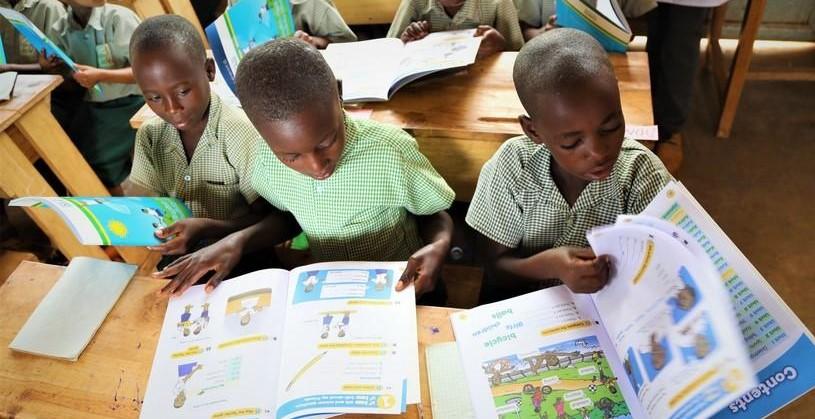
(219, 354)
(437, 51)
(346, 341)
(112, 220)
(366, 68)
(543, 354)
(780, 346)
(664, 313)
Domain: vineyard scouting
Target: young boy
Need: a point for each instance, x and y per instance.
(199, 149)
(44, 14)
(495, 20)
(572, 171)
(360, 190)
(318, 22)
(95, 35)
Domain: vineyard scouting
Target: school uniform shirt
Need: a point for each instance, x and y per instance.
(535, 13)
(321, 18)
(365, 209)
(518, 205)
(500, 14)
(216, 183)
(103, 43)
(44, 14)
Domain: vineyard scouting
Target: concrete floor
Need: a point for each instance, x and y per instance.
(759, 184)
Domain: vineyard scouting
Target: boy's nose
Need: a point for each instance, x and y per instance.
(317, 165)
(172, 106)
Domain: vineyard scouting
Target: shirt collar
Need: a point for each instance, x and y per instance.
(468, 12)
(94, 21)
(210, 133)
(24, 4)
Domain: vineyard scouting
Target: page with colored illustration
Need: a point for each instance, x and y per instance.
(115, 221)
(219, 353)
(780, 346)
(542, 355)
(664, 313)
(348, 339)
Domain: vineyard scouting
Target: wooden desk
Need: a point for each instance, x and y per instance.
(28, 132)
(367, 12)
(461, 119)
(111, 375)
(148, 8)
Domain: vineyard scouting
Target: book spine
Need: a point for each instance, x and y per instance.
(575, 14)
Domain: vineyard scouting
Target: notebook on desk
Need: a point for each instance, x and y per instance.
(7, 80)
(64, 322)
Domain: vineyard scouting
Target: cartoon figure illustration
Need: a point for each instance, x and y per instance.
(184, 324)
(537, 398)
(380, 279)
(247, 304)
(658, 357)
(346, 318)
(560, 408)
(157, 214)
(263, 12)
(203, 319)
(185, 372)
(326, 325)
(310, 282)
(685, 298)
(696, 341)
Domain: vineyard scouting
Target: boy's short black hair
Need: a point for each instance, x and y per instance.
(281, 78)
(168, 32)
(557, 61)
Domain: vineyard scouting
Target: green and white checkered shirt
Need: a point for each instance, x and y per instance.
(500, 14)
(216, 183)
(517, 203)
(363, 211)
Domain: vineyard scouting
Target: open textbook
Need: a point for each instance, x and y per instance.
(326, 338)
(245, 25)
(109, 220)
(602, 19)
(665, 338)
(374, 70)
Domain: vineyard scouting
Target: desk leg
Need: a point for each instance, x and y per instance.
(148, 8)
(184, 8)
(18, 177)
(740, 65)
(42, 131)
(713, 54)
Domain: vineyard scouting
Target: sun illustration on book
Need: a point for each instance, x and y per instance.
(117, 227)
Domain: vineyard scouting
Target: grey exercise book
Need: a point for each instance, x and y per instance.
(67, 318)
(7, 80)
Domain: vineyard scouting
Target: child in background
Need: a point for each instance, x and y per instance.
(199, 149)
(572, 170)
(20, 55)
(96, 36)
(495, 20)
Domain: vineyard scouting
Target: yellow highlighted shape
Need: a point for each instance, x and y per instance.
(353, 345)
(235, 413)
(242, 341)
(361, 387)
(694, 385)
(192, 350)
(368, 353)
(646, 261)
(369, 303)
(565, 327)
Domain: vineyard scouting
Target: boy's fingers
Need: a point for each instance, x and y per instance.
(173, 268)
(215, 281)
(584, 253)
(408, 275)
(168, 231)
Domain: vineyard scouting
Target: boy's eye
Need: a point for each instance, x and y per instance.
(609, 130)
(571, 145)
(327, 143)
(291, 158)
(184, 92)
(154, 98)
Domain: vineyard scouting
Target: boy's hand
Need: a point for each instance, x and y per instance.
(492, 41)
(87, 76)
(48, 64)
(185, 234)
(551, 23)
(579, 268)
(220, 257)
(423, 268)
(415, 31)
(303, 36)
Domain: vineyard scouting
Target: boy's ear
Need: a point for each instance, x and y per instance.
(529, 129)
(210, 65)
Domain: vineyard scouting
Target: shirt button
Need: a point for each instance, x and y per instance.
(187, 178)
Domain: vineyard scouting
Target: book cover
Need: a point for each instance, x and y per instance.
(34, 36)
(602, 19)
(115, 221)
(245, 25)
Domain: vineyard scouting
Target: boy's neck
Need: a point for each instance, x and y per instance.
(570, 186)
(451, 11)
(82, 14)
(191, 136)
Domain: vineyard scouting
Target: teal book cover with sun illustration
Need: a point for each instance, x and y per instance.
(114, 221)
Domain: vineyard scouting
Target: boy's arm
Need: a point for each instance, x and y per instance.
(530, 31)
(21, 68)
(222, 256)
(88, 76)
(506, 22)
(424, 265)
(577, 267)
(404, 16)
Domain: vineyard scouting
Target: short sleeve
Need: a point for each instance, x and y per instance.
(494, 210)
(407, 13)
(531, 12)
(422, 189)
(241, 150)
(507, 24)
(262, 166)
(329, 24)
(143, 171)
(124, 24)
(649, 177)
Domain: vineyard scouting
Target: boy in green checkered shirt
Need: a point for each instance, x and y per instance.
(572, 171)
(199, 149)
(360, 190)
